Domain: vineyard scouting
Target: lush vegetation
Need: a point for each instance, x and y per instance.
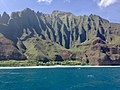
(17, 63)
(55, 39)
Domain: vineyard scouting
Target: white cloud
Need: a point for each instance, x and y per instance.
(67, 1)
(50, 1)
(45, 1)
(106, 3)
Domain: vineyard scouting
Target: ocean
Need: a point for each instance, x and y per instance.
(74, 78)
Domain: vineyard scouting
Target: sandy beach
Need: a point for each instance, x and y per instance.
(57, 66)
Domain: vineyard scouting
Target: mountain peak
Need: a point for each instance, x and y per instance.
(4, 18)
(28, 10)
(60, 13)
(5, 14)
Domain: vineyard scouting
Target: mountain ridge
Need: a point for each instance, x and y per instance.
(62, 30)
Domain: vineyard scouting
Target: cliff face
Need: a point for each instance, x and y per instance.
(61, 28)
(96, 52)
(8, 50)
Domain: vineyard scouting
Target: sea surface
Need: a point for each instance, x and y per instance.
(79, 78)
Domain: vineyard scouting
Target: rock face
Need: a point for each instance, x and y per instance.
(102, 54)
(34, 35)
(63, 28)
(4, 18)
(98, 41)
(8, 50)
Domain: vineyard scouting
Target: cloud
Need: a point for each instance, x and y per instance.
(106, 3)
(50, 1)
(45, 1)
(67, 1)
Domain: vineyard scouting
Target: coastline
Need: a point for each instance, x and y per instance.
(56, 66)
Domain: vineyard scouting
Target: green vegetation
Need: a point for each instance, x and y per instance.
(36, 48)
(17, 63)
(56, 39)
(114, 40)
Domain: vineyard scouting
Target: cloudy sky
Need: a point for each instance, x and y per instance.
(108, 9)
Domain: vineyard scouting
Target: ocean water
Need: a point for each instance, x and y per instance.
(84, 78)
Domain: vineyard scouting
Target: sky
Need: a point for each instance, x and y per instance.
(108, 9)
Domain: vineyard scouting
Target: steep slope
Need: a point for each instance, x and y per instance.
(8, 50)
(38, 35)
(61, 27)
(97, 52)
(38, 49)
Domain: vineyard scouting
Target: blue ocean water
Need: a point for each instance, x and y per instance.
(89, 78)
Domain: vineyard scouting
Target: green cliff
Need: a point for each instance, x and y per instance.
(39, 36)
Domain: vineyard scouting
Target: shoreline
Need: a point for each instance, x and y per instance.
(57, 66)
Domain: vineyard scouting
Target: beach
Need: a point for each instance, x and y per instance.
(57, 66)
